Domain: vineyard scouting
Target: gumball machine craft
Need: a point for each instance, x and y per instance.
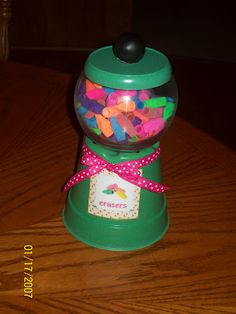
(125, 100)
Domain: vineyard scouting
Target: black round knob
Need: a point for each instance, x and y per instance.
(129, 47)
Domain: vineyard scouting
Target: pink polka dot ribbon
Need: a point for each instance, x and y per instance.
(128, 170)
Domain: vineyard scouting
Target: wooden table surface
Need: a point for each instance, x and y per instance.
(191, 270)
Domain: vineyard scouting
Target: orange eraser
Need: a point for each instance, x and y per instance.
(125, 106)
(89, 85)
(97, 85)
(141, 116)
(110, 112)
(104, 125)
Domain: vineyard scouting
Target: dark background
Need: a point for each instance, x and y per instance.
(197, 36)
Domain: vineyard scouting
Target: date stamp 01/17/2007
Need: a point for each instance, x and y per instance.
(28, 271)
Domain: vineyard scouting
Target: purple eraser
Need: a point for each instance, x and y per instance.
(136, 121)
(92, 105)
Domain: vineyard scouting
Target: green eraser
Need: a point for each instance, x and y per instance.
(96, 131)
(168, 110)
(155, 102)
(133, 139)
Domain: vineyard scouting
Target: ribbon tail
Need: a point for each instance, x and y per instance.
(72, 181)
(81, 176)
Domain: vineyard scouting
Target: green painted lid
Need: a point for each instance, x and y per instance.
(152, 70)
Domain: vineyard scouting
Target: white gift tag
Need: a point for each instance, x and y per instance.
(112, 197)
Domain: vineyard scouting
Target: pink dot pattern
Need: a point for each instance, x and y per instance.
(128, 170)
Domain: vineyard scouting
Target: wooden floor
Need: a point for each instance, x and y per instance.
(206, 97)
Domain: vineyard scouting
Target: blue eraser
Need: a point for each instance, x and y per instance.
(118, 131)
(91, 123)
(82, 110)
(170, 99)
(108, 90)
(139, 104)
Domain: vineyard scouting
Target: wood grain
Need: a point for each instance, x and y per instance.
(191, 270)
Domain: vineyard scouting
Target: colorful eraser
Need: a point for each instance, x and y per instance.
(143, 95)
(170, 99)
(109, 90)
(154, 125)
(111, 99)
(92, 105)
(112, 139)
(101, 101)
(95, 93)
(140, 131)
(159, 112)
(91, 123)
(82, 110)
(136, 121)
(110, 112)
(133, 139)
(117, 129)
(152, 113)
(130, 116)
(139, 104)
(155, 102)
(89, 114)
(96, 131)
(140, 115)
(169, 110)
(97, 85)
(128, 93)
(126, 106)
(89, 85)
(104, 125)
(126, 125)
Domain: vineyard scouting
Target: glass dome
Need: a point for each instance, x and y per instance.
(124, 119)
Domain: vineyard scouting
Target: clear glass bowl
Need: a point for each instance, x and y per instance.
(124, 119)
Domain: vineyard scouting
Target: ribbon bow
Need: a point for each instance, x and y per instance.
(128, 170)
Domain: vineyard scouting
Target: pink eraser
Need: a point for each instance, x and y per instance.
(96, 93)
(153, 113)
(155, 125)
(111, 99)
(126, 125)
(143, 95)
(139, 129)
(159, 112)
(130, 93)
(130, 116)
